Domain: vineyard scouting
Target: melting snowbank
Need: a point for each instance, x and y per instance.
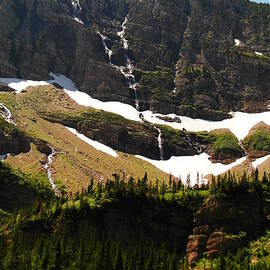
(19, 84)
(240, 124)
(125, 110)
(191, 165)
(259, 161)
(97, 145)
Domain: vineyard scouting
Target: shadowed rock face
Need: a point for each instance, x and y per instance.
(220, 223)
(12, 140)
(129, 136)
(183, 45)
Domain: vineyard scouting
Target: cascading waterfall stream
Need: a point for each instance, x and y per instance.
(129, 66)
(77, 10)
(127, 70)
(6, 113)
(180, 55)
(160, 144)
(250, 166)
(106, 48)
(48, 169)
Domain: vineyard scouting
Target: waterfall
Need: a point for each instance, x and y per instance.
(48, 169)
(129, 66)
(77, 10)
(180, 55)
(250, 166)
(243, 148)
(76, 4)
(174, 80)
(6, 113)
(106, 48)
(160, 144)
(127, 70)
(189, 141)
(122, 33)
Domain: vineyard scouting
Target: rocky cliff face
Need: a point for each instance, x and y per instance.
(129, 136)
(225, 224)
(184, 53)
(213, 74)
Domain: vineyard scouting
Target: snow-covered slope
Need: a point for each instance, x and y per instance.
(239, 124)
(97, 145)
(191, 166)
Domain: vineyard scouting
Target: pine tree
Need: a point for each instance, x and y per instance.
(163, 189)
(265, 178)
(188, 182)
(170, 182)
(119, 261)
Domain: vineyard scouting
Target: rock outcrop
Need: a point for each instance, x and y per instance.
(225, 147)
(257, 142)
(225, 224)
(127, 136)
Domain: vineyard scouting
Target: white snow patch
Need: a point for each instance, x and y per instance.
(184, 165)
(97, 145)
(237, 42)
(259, 161)
(125, 110)
(240, 124)
(19, 84)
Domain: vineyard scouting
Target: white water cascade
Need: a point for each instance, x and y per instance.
(48, 169)
(250, 166)
(77, 10)
(6, 113)
(160, 144)
(106, 48)
(127, 70)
